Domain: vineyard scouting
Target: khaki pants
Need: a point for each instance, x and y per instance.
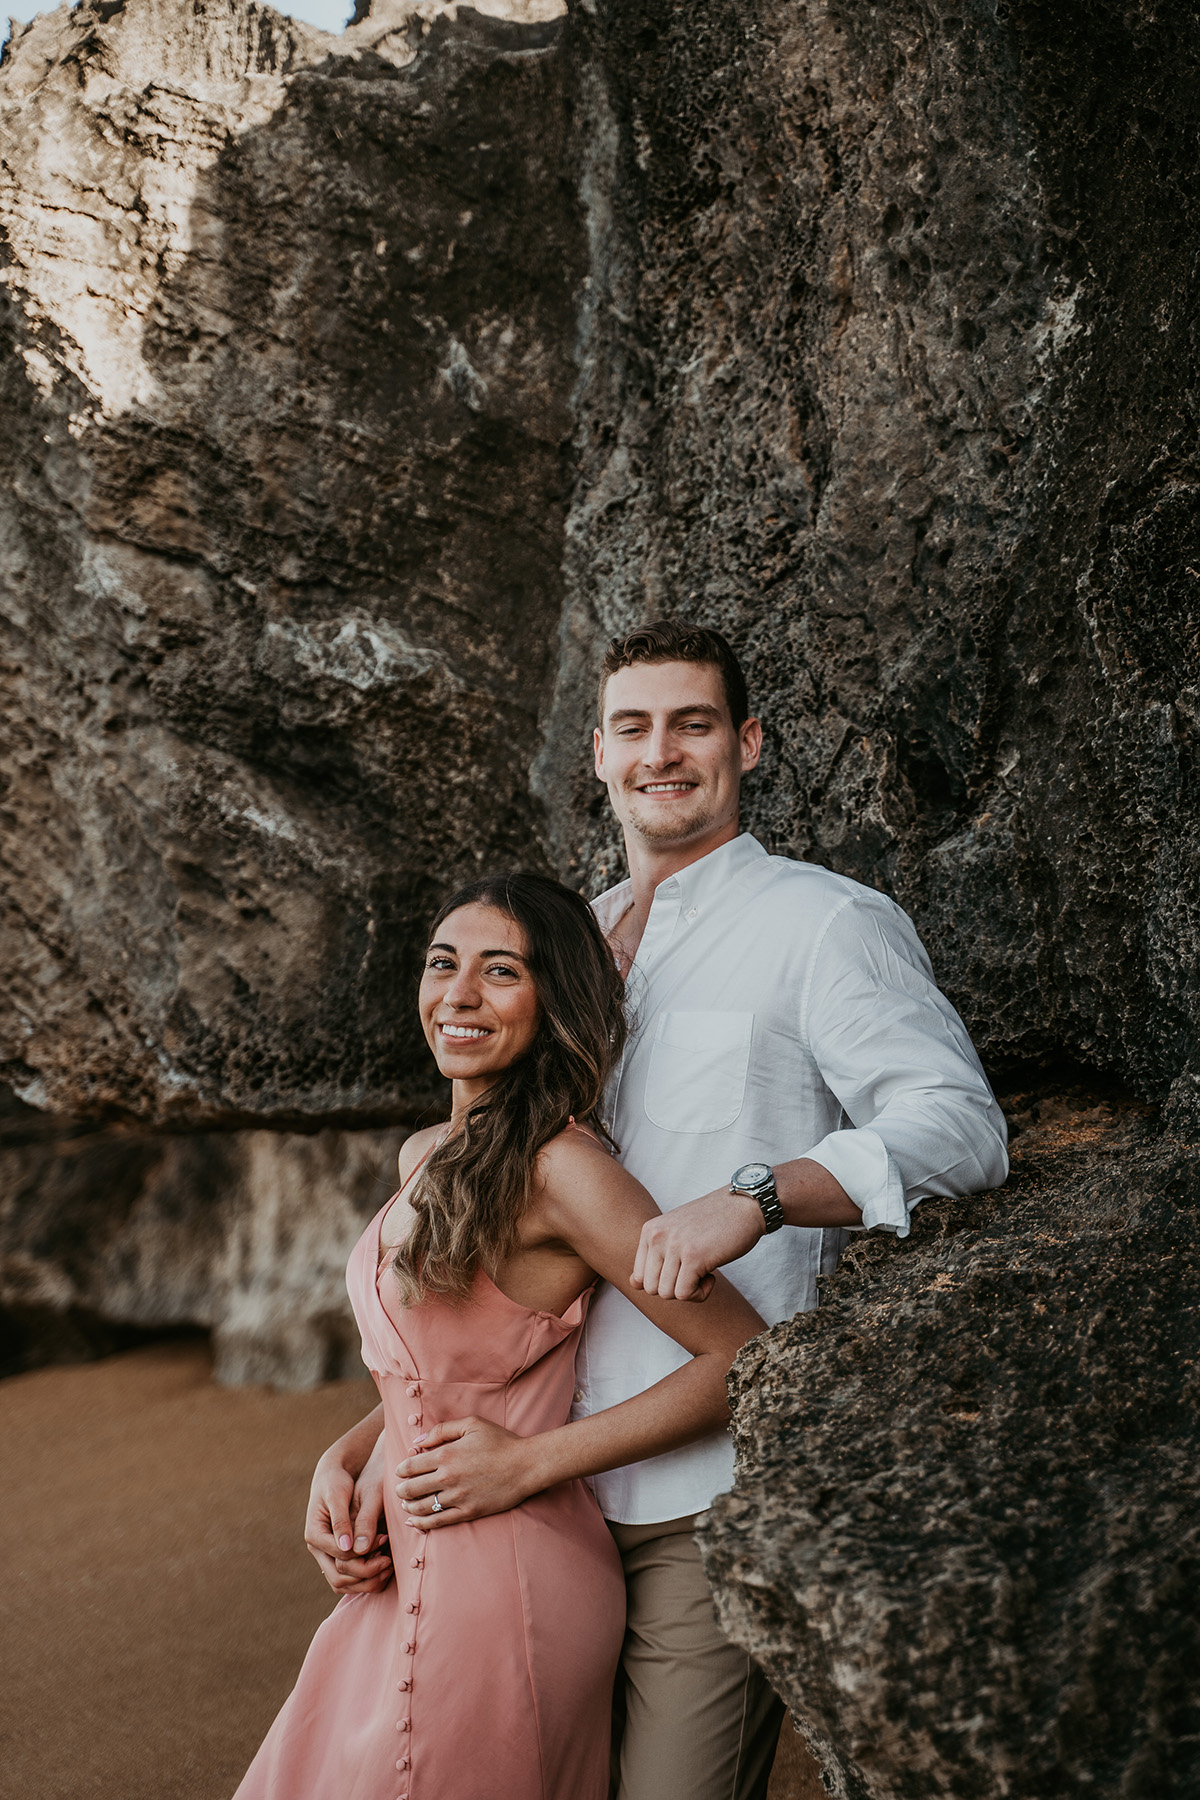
(693, 1716)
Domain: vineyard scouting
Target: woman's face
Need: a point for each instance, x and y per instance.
(479, 1007)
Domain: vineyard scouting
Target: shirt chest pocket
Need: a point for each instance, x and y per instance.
(696, 1080)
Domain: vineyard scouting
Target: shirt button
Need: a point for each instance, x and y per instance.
(404, 1686)
(414, 1418)
(414, 1562)
(411, 1607)
(406, 1649)
(403, 1763)
(401, 1724)
(578, 1394)
(413, 1391)
(691, 912)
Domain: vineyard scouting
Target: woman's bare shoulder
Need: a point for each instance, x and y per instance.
(418, 1145)
(570, 1146)
(578, 1169)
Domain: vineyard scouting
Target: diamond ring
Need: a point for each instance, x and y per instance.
(437, 1505)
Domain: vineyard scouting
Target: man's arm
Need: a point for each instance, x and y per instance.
(896, 1055)
(680, 1249)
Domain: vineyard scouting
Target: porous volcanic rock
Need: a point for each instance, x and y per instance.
(890, 367)
(286, 334)
(964, 1539)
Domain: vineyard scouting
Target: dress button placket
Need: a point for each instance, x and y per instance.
(411, 1609)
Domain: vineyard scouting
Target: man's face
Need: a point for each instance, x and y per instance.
(668, 753)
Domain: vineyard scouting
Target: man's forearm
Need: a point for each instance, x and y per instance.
(680, 1249)
(810, 1195)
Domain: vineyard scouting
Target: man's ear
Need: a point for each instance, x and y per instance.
(751, 740)
(598, 752)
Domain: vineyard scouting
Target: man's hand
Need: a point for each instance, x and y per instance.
(345, 1528)
(679, 1250)
(473, 1466)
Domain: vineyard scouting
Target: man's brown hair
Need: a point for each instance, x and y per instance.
(674, 640)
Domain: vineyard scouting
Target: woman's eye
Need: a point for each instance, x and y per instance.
(501, 969)
(439, 962)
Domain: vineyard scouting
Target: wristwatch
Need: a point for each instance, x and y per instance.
(757, 1182)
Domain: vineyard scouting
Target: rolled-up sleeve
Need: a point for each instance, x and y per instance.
(896, 1055)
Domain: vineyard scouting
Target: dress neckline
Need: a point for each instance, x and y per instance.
(407, 1182)
(539, 1312)
(535, 1312)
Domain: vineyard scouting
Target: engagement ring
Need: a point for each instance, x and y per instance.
(437, 1505)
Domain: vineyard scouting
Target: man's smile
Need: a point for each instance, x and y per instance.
(667, 787)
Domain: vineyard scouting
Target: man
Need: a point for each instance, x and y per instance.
(792, 1072)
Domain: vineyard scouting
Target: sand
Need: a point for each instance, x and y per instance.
(156, 1598)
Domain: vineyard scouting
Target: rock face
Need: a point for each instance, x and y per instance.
(876, 332)
(108, 1235)
(964, 1540)
(286, 351)
(890, 368)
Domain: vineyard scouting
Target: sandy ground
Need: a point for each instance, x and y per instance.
(155, 1596)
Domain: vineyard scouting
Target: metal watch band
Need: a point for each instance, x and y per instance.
(772, 1212)
(765, 1193)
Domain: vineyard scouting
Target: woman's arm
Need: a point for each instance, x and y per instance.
(475, 1467)
(344, 1528)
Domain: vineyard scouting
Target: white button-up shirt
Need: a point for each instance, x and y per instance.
(777, 1011)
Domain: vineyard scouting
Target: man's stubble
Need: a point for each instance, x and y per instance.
(655, 827)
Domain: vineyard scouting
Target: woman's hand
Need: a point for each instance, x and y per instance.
(345, 1529)
(473, 1466)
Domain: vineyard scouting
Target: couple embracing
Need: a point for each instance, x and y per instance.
(756, 1047)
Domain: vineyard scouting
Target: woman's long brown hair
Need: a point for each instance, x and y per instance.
(474, 1190)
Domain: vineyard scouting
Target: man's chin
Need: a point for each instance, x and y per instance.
(664, 826)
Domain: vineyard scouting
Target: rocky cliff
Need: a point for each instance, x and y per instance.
(891, 369)
(287, 352)
(355, 388)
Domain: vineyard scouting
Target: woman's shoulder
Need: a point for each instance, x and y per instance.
(576, 1149)
(417, 1146)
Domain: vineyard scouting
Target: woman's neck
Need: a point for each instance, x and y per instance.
(466, 1095)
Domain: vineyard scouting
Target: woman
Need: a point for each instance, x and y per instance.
(484, 1671)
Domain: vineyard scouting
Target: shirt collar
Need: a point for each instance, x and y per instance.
(700, 881)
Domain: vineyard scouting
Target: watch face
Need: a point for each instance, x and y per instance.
(750, 1174)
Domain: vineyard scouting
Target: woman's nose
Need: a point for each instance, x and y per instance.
(463, 990)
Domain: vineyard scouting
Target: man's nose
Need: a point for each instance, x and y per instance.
(660, 749)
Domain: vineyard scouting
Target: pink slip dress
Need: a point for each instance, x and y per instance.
(484, 1671)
